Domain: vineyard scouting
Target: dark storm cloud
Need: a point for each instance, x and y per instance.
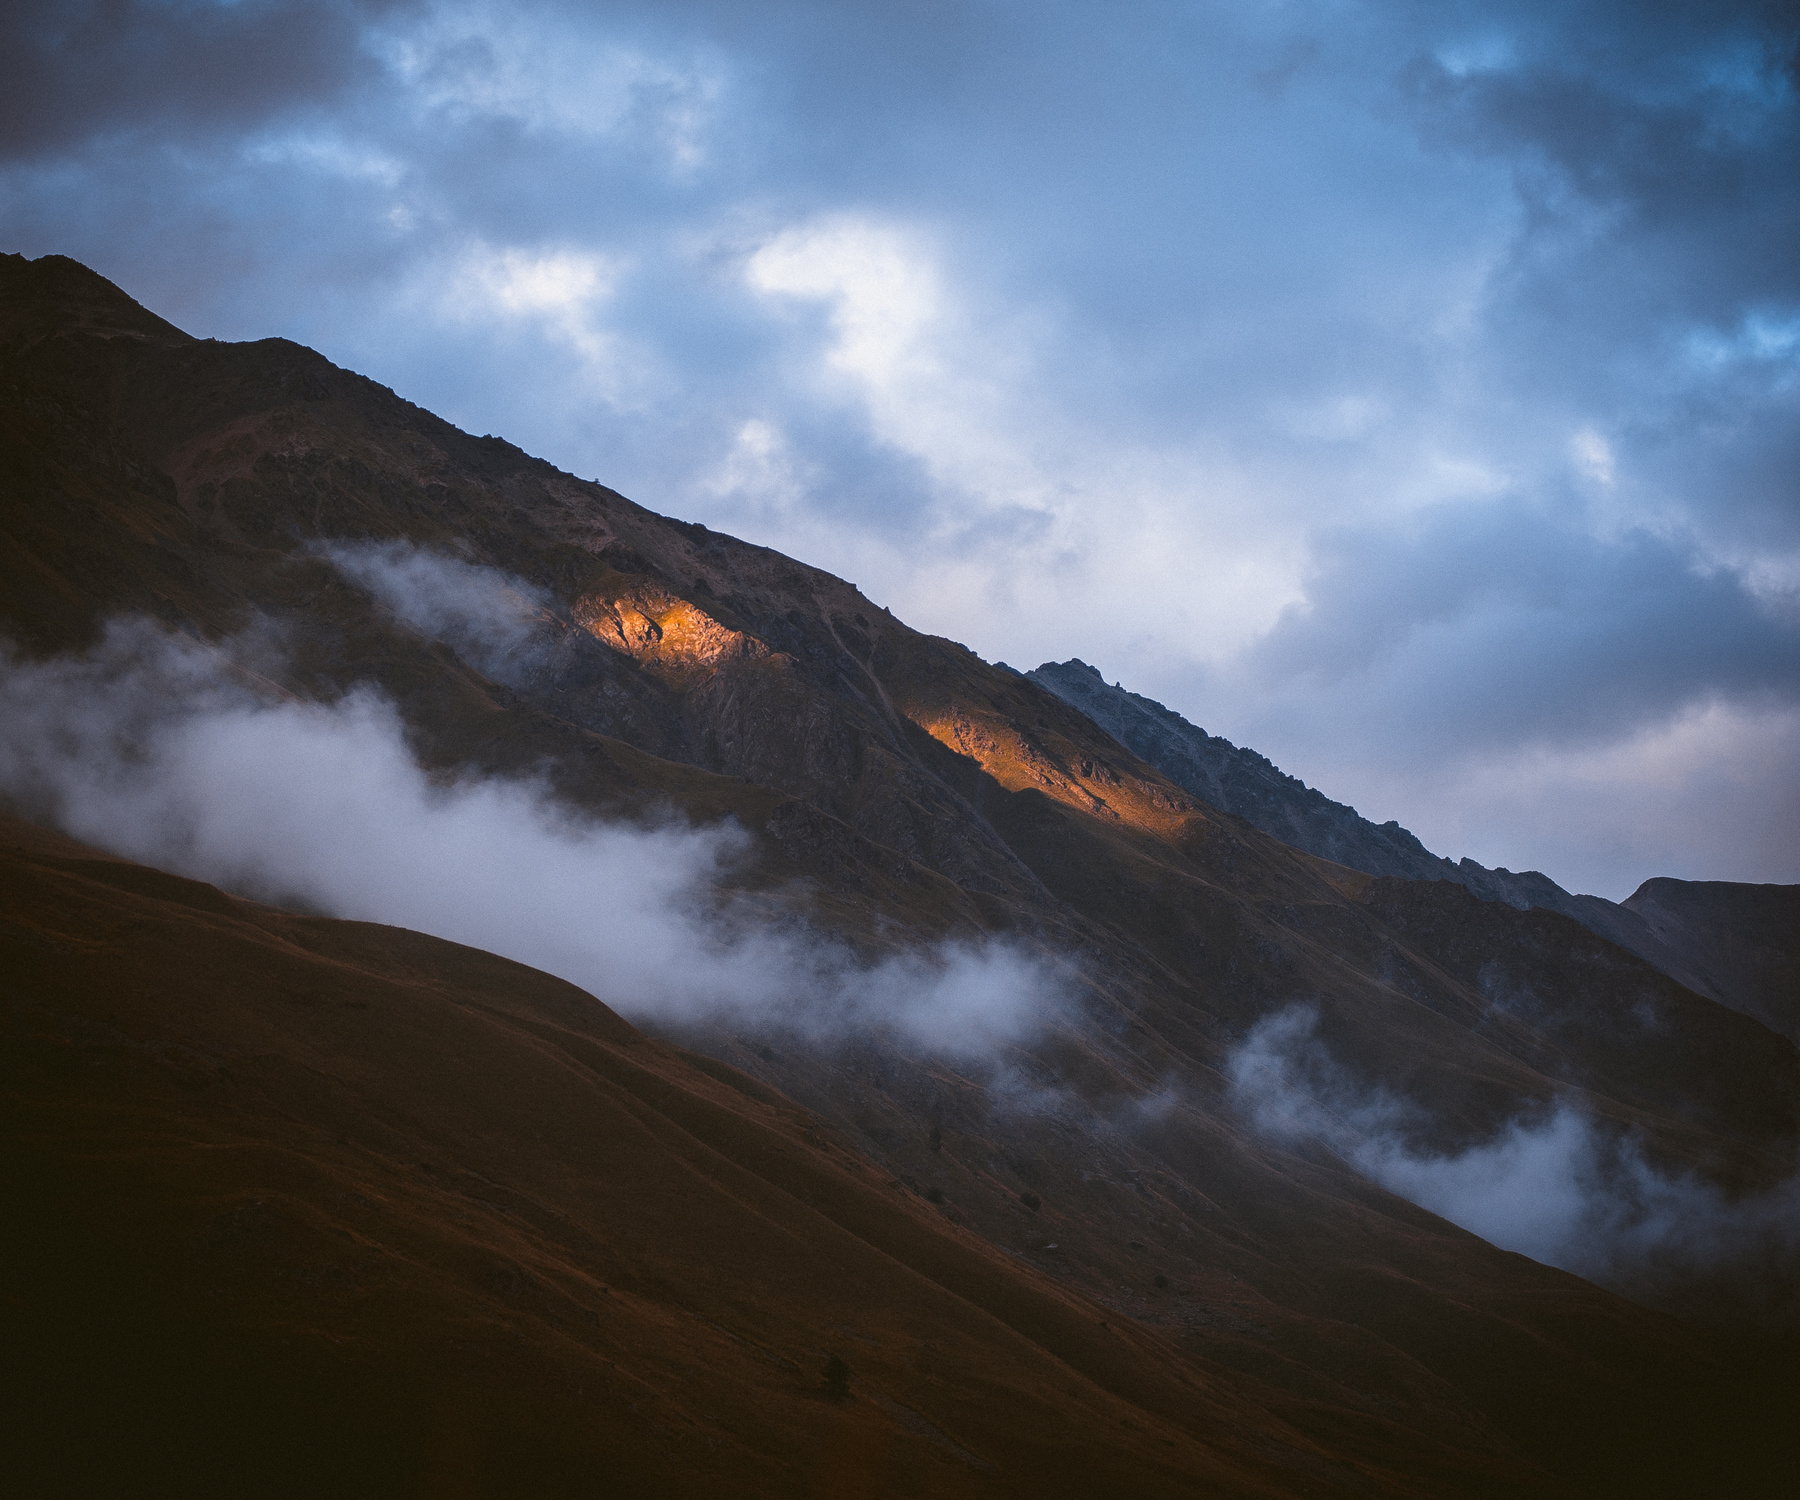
(1652, 149)
(1667, 107)
(79, 68)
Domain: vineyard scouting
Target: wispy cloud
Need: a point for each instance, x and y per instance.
(180, 755)
(1552, 1184)
(496, 621)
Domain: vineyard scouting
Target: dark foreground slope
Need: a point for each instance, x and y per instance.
(298, 1206)
(309, 1207)
(895, 790)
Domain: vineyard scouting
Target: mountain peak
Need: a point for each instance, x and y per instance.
(55, 295)
(1241, 781)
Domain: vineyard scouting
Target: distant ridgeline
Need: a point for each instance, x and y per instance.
(1731, 942)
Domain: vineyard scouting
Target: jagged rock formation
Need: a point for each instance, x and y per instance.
(1242, 782)
(895, 790)
(1682, 934)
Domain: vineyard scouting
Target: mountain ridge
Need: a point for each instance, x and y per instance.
(1243, 782)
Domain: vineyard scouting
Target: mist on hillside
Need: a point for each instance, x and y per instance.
(188, 757)
(495, 621)
(184, 756)
(1554, 1183)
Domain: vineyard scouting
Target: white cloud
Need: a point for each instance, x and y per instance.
(1763, 341)
(564, 287)
(760, 476)
(933, 385)
(494, 621)
(330, 154)
(1482, 52)
(560, 294)
(1043, 522)
(1592, 455)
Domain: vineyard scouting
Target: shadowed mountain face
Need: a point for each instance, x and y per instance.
(1189, 1149)
(1730, 942)
(1741, 942)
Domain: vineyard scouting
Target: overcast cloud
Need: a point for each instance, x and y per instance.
(1411, 392)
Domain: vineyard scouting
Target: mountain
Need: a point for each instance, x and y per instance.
(1177, 1209)
(1678, 926)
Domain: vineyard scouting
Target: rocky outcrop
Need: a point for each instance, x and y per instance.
(1241, 782)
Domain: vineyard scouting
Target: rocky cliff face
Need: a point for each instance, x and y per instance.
(896, 791)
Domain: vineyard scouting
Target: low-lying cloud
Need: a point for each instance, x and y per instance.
(495, 621)
(183, 756)
(1553, 1185)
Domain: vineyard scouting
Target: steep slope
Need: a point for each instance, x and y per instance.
(1240, 781)
(1741, 942)
(897, 790)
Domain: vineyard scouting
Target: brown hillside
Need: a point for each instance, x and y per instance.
(304, 1205)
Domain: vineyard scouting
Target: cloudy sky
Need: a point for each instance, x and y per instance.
(1411, 391)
